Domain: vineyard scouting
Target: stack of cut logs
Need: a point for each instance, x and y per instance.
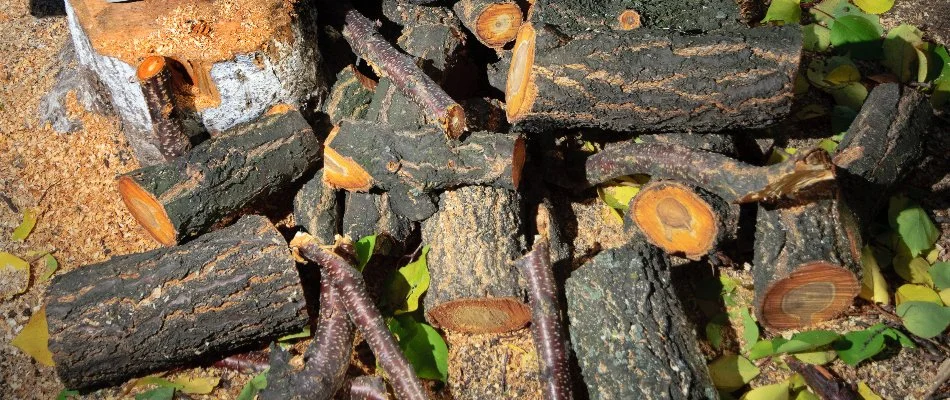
(396, 126)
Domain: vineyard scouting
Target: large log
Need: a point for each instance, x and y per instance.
(317, 209)
(170, 307)
(806, 263)
(629, 332)
(226, 73)
(186, 197)
(474, 237)
(694, 16)
(654, 81)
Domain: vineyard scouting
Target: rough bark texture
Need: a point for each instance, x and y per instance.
(693, 16)
(722, 143)
(155, 77)
(807, 262)
(220, 176)
(732, 180)
(882, 145)
(390, 106)
(368, 387)
(369, 214)
(326, 359)
(431, 33)
(493, 22)
(317, 209)
(171, 307)
(654, 81)
(285, 70)
(629, 331)
(350, 95)
(474, 237)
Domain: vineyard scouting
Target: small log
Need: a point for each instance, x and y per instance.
(474, 237)
(368, 387)
(694, 16)
(369, 214)
(628, 329)
(350, 95)
(652, 82)
(822, 381)
(186, 197)
(495, 23)
(155, 77)
(682, 220)
(171, 307)
(225, 73)
(806, 263)
(390, 106)
(732, 180)
(410, 164)
(317, 209)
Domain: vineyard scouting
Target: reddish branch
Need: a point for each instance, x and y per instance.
(369, 387)
(251, 362)
(546, 325)
(823, 382)
(364, 313)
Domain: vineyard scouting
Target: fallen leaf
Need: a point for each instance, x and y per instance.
(911, 292)
(51, 266)
(23, 230)
(778, 391)
(866, 393)
(731, 372)
(924, 319)
(255, 385)
(14, 275)
(784, 11)
(874, 6)
(34, 339)
(873, 285)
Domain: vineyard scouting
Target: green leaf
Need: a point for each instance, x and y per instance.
(761, 349)
(828, 145)
(859, 35)
(784, 11)
(816, 357)
(911, 292)
(305, 333)
(842, 74)
(160, 393)
(255, 385)
(750, 330)
(715, 328)
(873, 285)
(778, 391)
(851, 95)
(828, 10)
(874, 6)
(900, 337)
(408, 284)
(916, 229)
(866, 393)
(914, 270)
(51, 266)
(858, 346)
(900, 52)
(941, 95)
(25, 227)
(841, 119)
(66, 393)
(364, 250)
(806, 341)
(940, 274)
(731, 372)
(816, 37)
(423, 347)
(924, 319)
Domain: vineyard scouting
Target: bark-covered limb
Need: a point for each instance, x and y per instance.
(676, 15)
(317, 209)
(495, 23)
(807, 262)
(732, 180)
(350, 95)
(155, 77)
(172, 307)
(652, 81)
(628, 329)
(361, 33)
(822, 381)
(473, 238)
(370, 213)
(368, 387)
(249, 363)
(365, 315)
(391, 107)
(721, 143)
(547, 327)
(325, 360)
(187, 196)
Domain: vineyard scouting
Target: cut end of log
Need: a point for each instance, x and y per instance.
(153, 65)
(453, 123)
(498, 24)
(146, 209)
(676, 219)
(344, 173)
(517, 162)
(629, 20)
(815, 292)
(519, 93)
(482, 315)
(808, 170)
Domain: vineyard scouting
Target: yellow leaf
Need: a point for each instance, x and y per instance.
(913, 270)
(842, 75)
(197, 385)
(945, 296)
(933, 254)
(910, 292)
(34, 339)
(866, 393)
(873, 285)
(874, 6)
(817, 357)
(22, 231)
(778, 391)
(14, 275)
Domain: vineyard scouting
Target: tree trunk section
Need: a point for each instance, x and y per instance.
(807, 262)
(653, 81)
(171, 307)
(474, 237)
(695, 16)
(317, 209)
(186, 197)
(628, 329)
(225, 74)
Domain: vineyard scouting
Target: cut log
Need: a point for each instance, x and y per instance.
(682, 220)
(155, 77)
(410, 164)
(732, 180)
(171, 307)
(350, 95)
(628, 329)
(474, 237)
(186, 197)
(226, 73)
(369, 214)
(653, 81)
(807, 262)
(495, 23)
(694, 16)
(317, 209)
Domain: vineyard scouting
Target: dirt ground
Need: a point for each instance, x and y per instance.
(69, 179)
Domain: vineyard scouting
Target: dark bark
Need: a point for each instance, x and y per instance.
(155, 78)
(186, 197)
(317, 209)
(368, 387)
(391, 107)
(498, 71)
(369, 214)
(654, 81)
(721, 143)
(807, 262)
(171, 307)
(732, 180)
(431, 33)
(485, 114)
(253, 362)
(474, 237)
(693, 16)
(628, 329)
(350, 95)
(822, 381)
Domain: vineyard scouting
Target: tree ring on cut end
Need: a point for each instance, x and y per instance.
(629, 20)
(148, 211)
(814, 292)
(675, 218)
(499, 24)
(151, 66)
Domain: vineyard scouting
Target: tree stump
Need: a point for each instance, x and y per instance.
(170, 307)
(225, 73)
